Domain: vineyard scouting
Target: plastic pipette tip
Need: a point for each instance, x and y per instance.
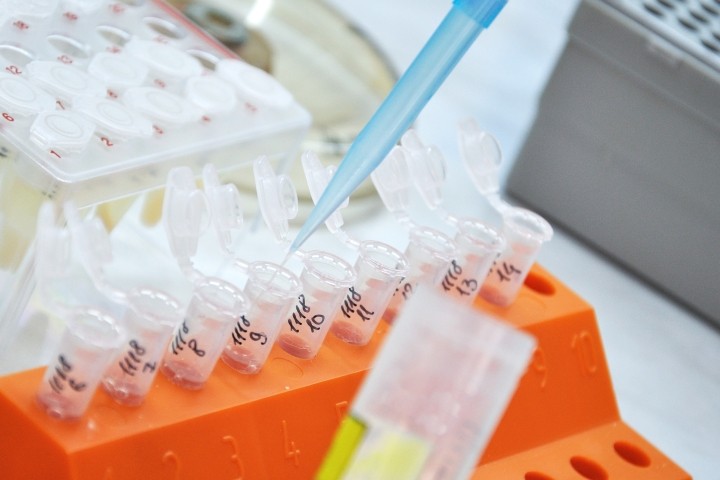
(408, 97)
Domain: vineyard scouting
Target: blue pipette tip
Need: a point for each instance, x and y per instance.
(483, 11)
(418, 84)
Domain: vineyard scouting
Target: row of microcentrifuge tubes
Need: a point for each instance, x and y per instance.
(276, 305)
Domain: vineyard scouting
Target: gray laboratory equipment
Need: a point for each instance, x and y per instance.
(625, 149)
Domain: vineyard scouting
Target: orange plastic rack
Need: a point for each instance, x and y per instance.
(563, 422)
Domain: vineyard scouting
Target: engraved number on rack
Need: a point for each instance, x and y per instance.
(56, 154)
(235, 456)
(171, 457)
(8, 117)
(65, 59)
(14, 69)
(582, 345)
(106, 141)
(291, 450)
(539, 365)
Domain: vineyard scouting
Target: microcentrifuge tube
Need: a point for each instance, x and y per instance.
(325, 281)
(199, 340)
(88, 344)
(379, 269)
(149, 321)
(478, 245)
(271, 291)
(437, 389)
(429, 253)
(525, 232)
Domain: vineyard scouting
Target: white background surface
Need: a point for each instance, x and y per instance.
(664, 361)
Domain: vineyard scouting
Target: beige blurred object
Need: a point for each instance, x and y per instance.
(331, 68)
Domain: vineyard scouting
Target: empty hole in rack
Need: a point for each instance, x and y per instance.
(115, 35)
(539, 284)
(699, 16)
(537, 476)
(687, 23)
(18, 56)
(165, 27)
(632, 454)
(712, 46)
(588, 468)
(206, 59)
(709, 7)
(652, 8)
(68, 45)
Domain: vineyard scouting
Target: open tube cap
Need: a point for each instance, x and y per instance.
(392, 181)
(481, 155)
(277, 198)
(186, 213)
(225, 205)
(428, 168)
(318, 177)
(91, 239)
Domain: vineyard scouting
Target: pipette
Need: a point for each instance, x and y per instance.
(449, 42)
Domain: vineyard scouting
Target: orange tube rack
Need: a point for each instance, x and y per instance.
(563, 422)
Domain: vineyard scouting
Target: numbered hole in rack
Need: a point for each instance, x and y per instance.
(17, 56)
(632, 454)
(69, 46)
(588, 468)
(206, 59)
(165, 27)
(115, 35)
(539, 284)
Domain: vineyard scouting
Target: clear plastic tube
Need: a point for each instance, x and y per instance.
(200, 338)
(149, 321)
(88, 344)
(272, 291)
(325, 281)
(379, 268)
(525, 232)
(435, 394)
(428, 253)
(478, 245)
